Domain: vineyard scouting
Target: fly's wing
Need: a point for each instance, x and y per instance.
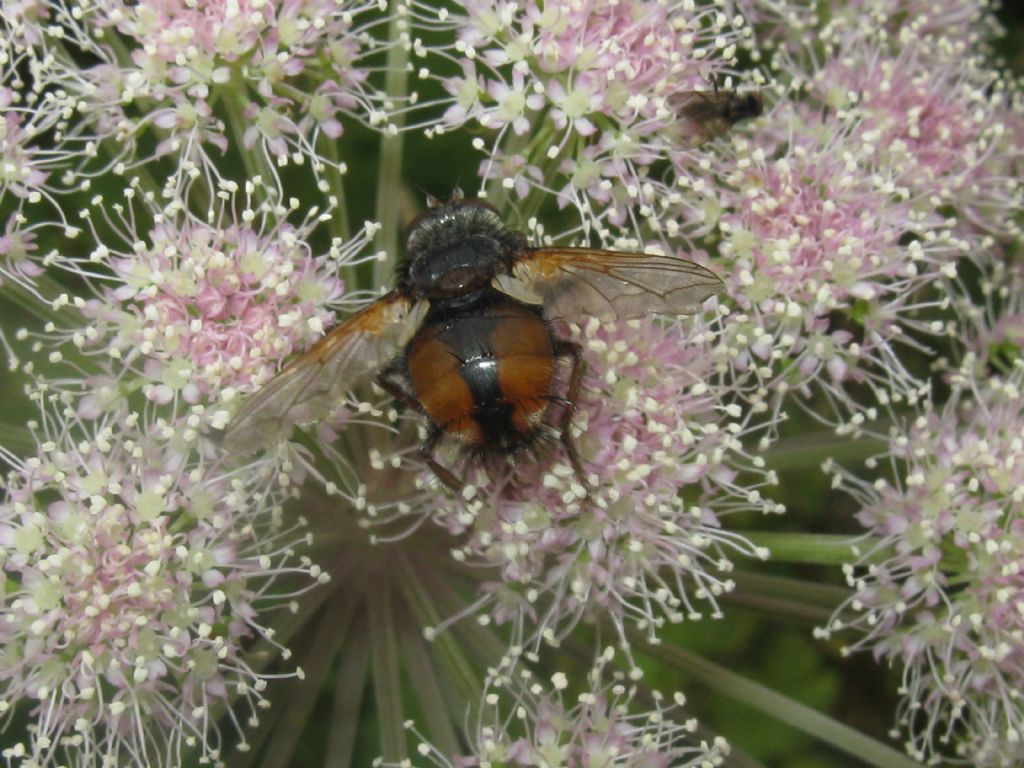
(311, 387)
(704, 115)
(581, 282)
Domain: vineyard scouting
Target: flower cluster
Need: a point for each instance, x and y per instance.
(181, 73)
(939, 585)
(638, 538)
(941, 126)
(141, 560)
(608, 80)
(136, 575)
(954, 27)
(845, 222)
(210, 307)
(524, 723)
(191, 312)
(832, 265)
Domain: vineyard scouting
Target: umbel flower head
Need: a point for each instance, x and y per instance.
(524, 722)
(834, 265)
(607, 80)
(162, 78)
(136, 575)
(639, 538)
(887, 162)
(940, 589)
(191, 311)
(947, 128)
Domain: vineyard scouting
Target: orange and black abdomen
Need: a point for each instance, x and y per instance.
(483, 373)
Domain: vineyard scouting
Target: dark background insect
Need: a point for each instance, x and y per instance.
(703, 115)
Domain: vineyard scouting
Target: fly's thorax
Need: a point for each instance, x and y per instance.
(456, 249)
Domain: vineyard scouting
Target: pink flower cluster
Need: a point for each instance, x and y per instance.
(524, 722)
(940, 587)
(831, 263)
(607, 79)
(201, 308)
(183, 72)
(135, 578)
(639, 538)
(192, 312)
(944, 127)
(845, 222)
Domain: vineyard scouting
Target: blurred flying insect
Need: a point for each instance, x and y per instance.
(705, 115)
(465, 338)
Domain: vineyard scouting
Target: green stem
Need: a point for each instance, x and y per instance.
(450, 590)
(263, 653)
(421, 595)
(348, 700)
(389, 178)
(121, 52)
(433, 691)
(778, 607)
(387, 682)
(50, 289)
(809, 450)
(317, 663)
(814, 548)
(826, 596)
(779, 707)
(339, 223)
(234, 103)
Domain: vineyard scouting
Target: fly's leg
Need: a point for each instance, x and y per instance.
(440, 472)
(570, 349)
(386, 380)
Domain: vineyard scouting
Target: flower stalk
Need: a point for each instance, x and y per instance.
(778, 707)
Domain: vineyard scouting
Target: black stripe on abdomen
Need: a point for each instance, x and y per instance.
(493, 414)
